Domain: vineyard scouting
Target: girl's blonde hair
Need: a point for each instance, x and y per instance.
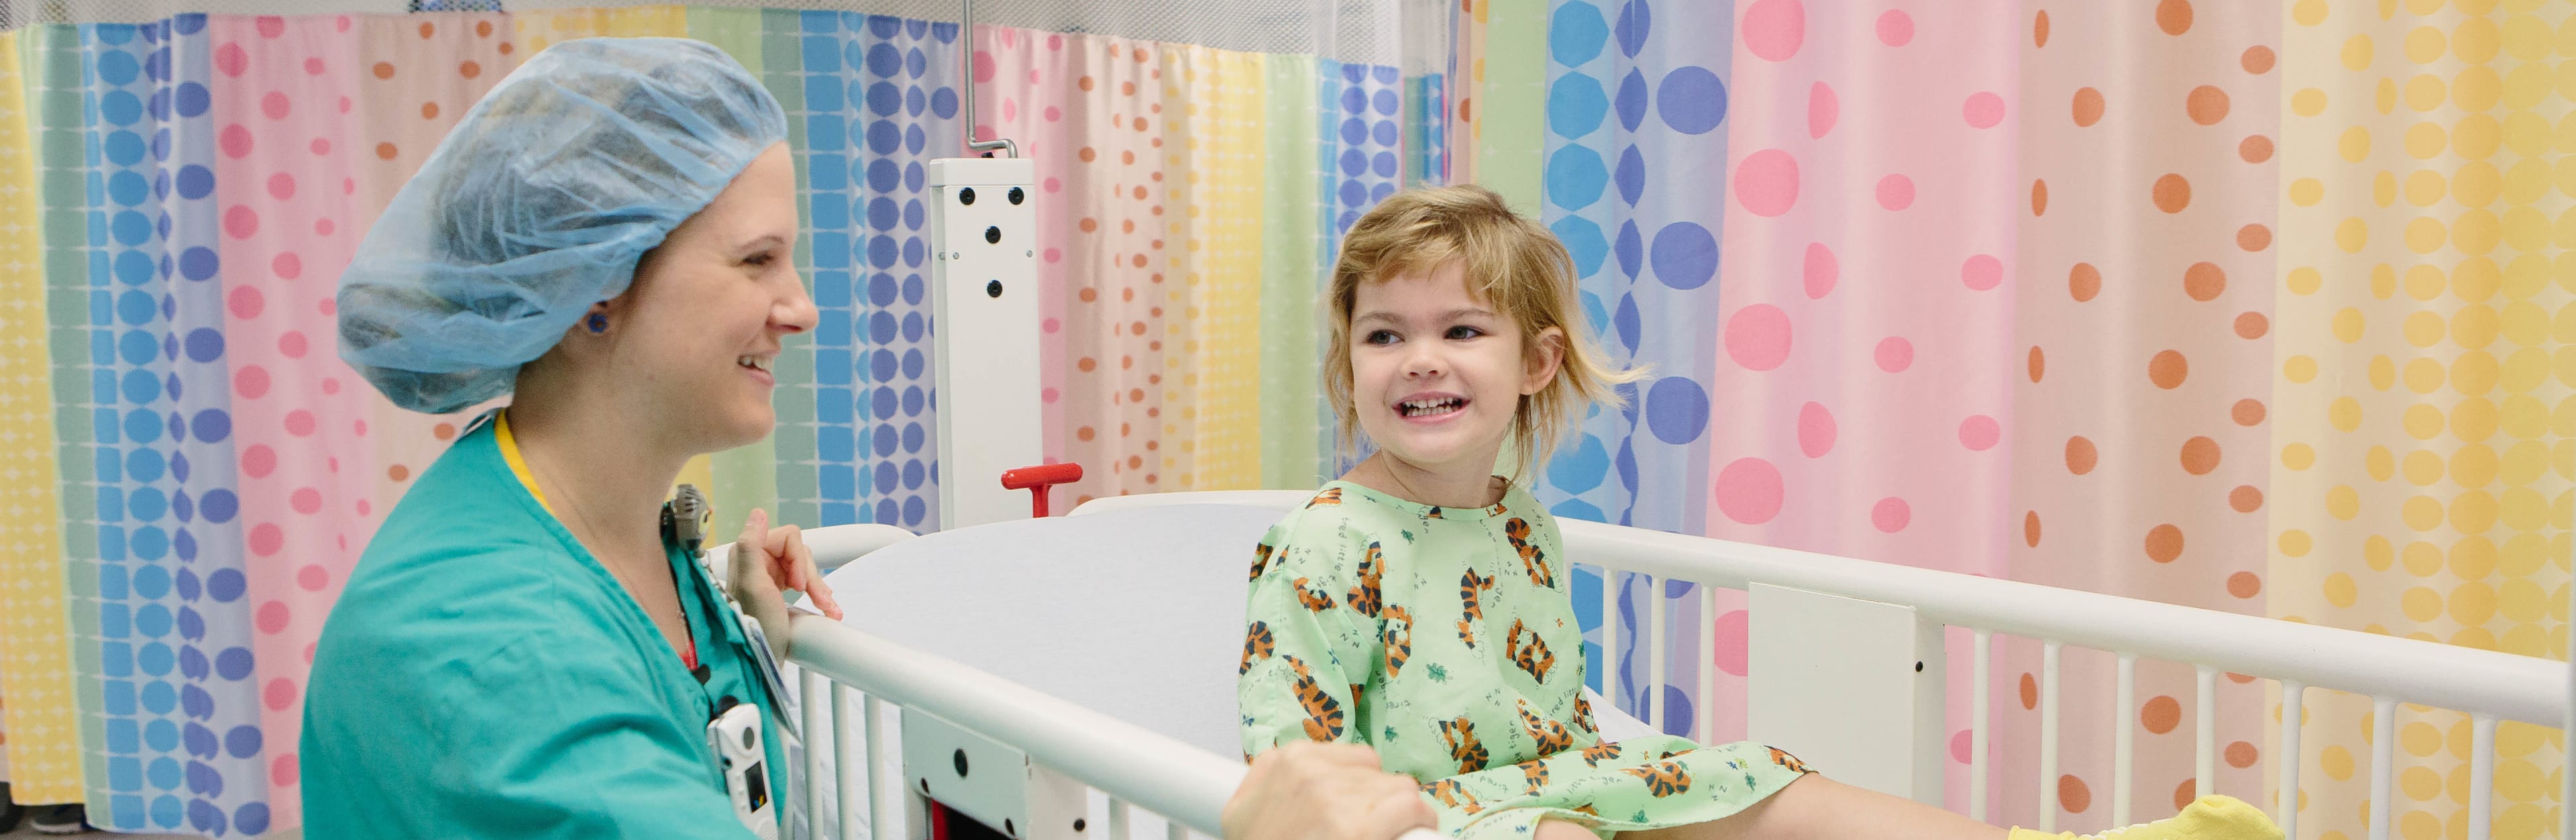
(1512, 264)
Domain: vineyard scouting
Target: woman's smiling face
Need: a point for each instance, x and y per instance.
(711, 306)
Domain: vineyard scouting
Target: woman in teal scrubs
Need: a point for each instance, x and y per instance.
(524, 650)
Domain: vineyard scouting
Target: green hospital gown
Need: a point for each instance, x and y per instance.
(1445, 639)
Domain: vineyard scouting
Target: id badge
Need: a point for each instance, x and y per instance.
(767, 665)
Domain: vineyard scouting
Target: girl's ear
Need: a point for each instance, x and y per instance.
(1546, 353)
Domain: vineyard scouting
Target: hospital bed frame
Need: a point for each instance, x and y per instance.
(1847, 669)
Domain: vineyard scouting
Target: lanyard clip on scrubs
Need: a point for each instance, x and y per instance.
(684, 522)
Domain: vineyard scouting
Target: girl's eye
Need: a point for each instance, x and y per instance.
(761, 259)
(1464, 333)
(1379, 337)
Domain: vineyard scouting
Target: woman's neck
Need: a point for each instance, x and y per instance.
(600, 470)
(1458, 488)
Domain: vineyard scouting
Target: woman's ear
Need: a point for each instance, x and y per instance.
(1546, 352)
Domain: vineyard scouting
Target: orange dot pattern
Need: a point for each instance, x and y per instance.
(2425, 389)
(1117, 261)
(1466, 117)
(2139, 448)
(416, 87)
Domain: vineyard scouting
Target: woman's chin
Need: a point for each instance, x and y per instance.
(743, 428)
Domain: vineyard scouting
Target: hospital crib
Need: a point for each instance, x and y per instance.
(1846, 659)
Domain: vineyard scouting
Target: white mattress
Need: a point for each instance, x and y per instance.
(1134, 613)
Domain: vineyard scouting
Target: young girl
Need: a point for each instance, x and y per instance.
(1422, 605)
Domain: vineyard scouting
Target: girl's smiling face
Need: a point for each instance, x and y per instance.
(1437, 374)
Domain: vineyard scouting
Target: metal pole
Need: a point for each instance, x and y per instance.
(966, 82)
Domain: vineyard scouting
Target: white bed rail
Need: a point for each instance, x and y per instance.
(2488, 686)
(846, 673)
(1187, 785)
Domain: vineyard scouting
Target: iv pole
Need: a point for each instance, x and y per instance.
(966, 72)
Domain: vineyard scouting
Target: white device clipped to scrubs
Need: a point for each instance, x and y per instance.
(735, 735)
(735, 732)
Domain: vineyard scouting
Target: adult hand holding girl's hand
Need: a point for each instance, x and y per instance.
(1309, 791)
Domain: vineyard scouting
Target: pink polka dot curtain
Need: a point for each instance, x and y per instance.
(2257, 307)
(191, 473)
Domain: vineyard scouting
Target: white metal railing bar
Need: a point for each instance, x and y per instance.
(2464, 679)
(2481, 775)
(1705, 716)
(2383, 764)
(1610, 635)
(1184, 783)
(2124, 737)
(2293, 712)
(851, 797)
(1979, 722)
(1656, 649)
(2204, 722)
(814, 692)
(880, 816)
(1120, 816)
(2048, 737)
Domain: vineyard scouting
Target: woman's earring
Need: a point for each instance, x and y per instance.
(597, 323)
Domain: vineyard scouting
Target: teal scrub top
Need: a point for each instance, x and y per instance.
(483, 676)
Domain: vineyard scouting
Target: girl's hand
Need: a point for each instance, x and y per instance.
(766, 563)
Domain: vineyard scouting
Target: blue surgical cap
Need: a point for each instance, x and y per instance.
(538, 205)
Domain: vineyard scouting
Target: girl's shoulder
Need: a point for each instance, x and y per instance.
(1347, 511)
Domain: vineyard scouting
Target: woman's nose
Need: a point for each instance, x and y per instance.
(796, 313)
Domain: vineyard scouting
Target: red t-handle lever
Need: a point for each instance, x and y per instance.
(1038, 480)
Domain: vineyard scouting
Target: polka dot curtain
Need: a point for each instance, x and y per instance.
(2241, 306)
(1293, 445)
(287, 180)
(2420, 452)
(1467, 68)
(2145, 195)
(1360, 133)
(1858, 383)
(52, 55)
(1119, 286)
(36, 678)
(880, 102)
(179, 714)
(1223, 98)
(1623, 90)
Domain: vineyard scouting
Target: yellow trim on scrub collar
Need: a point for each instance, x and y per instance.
(518, 464)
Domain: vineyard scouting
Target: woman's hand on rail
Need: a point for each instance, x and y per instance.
(1310, 791)
(767, 562)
